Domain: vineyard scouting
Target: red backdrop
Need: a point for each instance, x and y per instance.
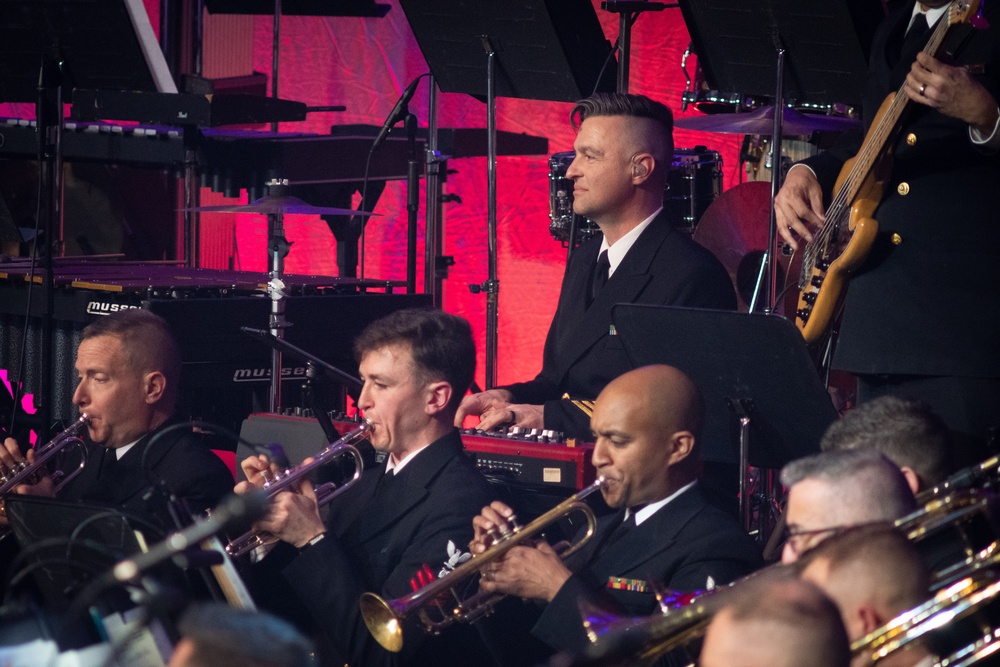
(364, 63)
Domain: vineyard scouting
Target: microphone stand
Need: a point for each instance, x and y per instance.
(412, 203)
(766, 287)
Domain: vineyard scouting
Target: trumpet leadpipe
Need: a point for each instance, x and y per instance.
(287, 480)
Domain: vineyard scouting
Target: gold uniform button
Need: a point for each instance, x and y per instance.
(911, 139)
(903, 189)
(896, 239)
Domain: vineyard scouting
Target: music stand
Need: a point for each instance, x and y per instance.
(85, 538)
(534, 49)
(764, 402)
(826, 43)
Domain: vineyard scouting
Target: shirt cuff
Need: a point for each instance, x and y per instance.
(804, 166)
(990, 142)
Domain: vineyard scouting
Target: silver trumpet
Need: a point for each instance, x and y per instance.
(286, 480)
(27, 473)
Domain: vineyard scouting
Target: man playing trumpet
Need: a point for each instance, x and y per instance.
(129, 368)
(646, 424)
(401, 519)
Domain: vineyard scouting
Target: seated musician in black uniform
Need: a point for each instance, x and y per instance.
(624, 149)
(646, 424)
(833, 491)
(904, 430)
(873, 574)
(405, 516)
(776, 621)
(129, 367)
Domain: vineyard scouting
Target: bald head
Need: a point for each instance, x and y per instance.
(776, 623)
(646, 424)
(661, 395)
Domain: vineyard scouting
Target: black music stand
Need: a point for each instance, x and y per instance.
(533, 49)
(764, 402)
(826, 44)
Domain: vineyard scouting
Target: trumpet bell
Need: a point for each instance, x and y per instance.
(383, 622)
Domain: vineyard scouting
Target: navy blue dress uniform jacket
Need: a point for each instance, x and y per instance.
(927, 300)
(178, 462)
(683, 546)
(379, 539)
(664, 267)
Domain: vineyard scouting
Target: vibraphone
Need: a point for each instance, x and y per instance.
(223, 369)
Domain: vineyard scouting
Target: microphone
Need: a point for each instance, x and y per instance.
(398, 112)
(234, 510)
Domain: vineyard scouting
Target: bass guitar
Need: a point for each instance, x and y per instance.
(847, 234)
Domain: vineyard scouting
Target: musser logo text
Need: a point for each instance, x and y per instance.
(261, 374)
(106, 307)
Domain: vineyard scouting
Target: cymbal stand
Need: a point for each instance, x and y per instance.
(492, 285)
(766, 287)
(277, 247)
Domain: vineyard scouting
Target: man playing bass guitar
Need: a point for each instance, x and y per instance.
(922, 313)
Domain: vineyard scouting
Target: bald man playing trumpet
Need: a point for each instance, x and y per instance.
(646, 425)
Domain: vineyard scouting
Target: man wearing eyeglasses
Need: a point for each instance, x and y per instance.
(838, 490)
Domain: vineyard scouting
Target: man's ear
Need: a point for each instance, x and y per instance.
(869, 619)
(681, 446)
(642, 167)
(438, 397)
(154, 385)
(912, 478)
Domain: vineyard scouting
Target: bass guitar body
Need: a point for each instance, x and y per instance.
(824, 276)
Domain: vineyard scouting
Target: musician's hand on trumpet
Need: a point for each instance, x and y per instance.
(11, 458)
(293, 515)
(257, 470)
(535, 572)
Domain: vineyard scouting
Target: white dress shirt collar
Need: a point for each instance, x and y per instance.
(617, 252)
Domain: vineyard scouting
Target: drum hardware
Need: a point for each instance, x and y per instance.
(694, 181)
(756, 155)
(761, 121)
(275, 205)
(384, 618)
(286, 480)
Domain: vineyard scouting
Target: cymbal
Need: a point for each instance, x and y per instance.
(278, 206)
(761, 121)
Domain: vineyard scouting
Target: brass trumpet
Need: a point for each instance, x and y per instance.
(286, 479)
(384, 618)
(25, 473)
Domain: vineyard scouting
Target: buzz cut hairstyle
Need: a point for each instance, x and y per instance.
(803, 619)
(883, 554)
(872, 484)
(441, 345)
(904, 430)
(626, 104)
(147, 341)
